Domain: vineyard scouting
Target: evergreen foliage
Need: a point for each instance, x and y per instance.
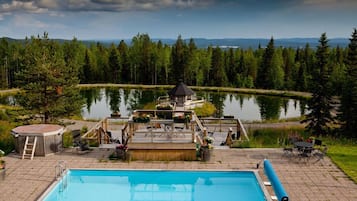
(178, 61)
(320, 105)
(270, 73)
(348, 108)
(217, 75)
(146, 62)
(48, 84)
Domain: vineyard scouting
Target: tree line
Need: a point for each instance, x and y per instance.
(324, 71)
(146, 62)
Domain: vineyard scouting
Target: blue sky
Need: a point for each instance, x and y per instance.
(123, 19)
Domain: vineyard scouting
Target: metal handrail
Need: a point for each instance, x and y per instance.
(60, 169)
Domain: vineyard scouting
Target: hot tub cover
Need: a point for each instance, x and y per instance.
(38, 129)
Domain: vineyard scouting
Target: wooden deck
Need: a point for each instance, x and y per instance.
(165, 138)
(163, 151)
(165, 142)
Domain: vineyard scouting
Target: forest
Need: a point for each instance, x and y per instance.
(147, 62)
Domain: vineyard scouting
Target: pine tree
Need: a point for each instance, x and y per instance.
(275, 76)
(178, 60)
(288, 65)
(114, 65)
(87, 74)
(125, 73)
(266, 64)
(4, 60)
(49, 86)
(301, 81)
(217, 72)
(192, 63)
(320, 105)
(163, 62)
(348, 108)
(231, 68)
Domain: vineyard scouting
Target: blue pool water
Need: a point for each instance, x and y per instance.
(124, 185)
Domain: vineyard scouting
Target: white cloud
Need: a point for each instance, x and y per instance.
(41, 6)
(21, 6)
(50, 4)
(331, 3)
(28, 21)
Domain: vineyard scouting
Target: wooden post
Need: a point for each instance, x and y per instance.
(193, 131)
(105, 124)
(98, 136)
(131, 130)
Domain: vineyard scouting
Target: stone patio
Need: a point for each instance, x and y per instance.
(28, 179)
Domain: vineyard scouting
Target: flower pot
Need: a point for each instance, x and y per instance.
(2, 165)
(205, 153)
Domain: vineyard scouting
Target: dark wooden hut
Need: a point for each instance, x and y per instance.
(180, 94)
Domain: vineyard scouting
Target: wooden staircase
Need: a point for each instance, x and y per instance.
(29, 147)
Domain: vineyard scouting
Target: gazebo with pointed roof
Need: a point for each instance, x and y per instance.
(180, 93)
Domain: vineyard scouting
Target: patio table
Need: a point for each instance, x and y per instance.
(303, 145)
(305, 148)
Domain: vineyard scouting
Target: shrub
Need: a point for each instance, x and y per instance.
(84, 130)
(207, 109)
(67, 139)
(7, 142)
(3, 115)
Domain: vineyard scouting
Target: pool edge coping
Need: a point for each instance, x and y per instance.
(55, 181)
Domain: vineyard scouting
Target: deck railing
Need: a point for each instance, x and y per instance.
(223, 124)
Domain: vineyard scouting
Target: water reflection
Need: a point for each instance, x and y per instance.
(101, 103)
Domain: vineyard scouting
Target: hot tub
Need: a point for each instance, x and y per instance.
(49, 138)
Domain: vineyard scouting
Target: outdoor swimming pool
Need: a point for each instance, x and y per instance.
(145, 185)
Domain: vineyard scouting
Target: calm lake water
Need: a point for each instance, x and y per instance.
(102, 102)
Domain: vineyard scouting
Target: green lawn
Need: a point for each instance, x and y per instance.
(343, 152)
(345, 157)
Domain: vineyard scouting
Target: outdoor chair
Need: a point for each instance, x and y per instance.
(305, 154)
(81, 147)
(319, 155)
(288, 151)
(318, 142)
(76, 135)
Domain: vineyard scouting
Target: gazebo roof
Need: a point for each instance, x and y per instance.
(181, 90)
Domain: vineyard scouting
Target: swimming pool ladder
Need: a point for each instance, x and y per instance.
(60, 170)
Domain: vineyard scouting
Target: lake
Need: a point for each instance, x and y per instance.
(101, 102)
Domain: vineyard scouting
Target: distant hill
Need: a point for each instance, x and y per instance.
(248, 42)
(243, 43)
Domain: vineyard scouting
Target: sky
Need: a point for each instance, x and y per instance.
(167, 19)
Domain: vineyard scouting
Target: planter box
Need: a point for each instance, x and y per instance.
(179, 120)
(141, 120)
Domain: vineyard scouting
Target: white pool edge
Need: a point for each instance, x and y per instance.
(257, 176)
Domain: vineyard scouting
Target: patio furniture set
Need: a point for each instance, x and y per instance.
(305, 151)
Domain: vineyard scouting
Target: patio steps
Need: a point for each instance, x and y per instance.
(29, 147)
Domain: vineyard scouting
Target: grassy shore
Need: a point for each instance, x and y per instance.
(7, 92)
(270, 92)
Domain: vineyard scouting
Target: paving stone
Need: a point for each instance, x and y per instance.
(322, 181)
